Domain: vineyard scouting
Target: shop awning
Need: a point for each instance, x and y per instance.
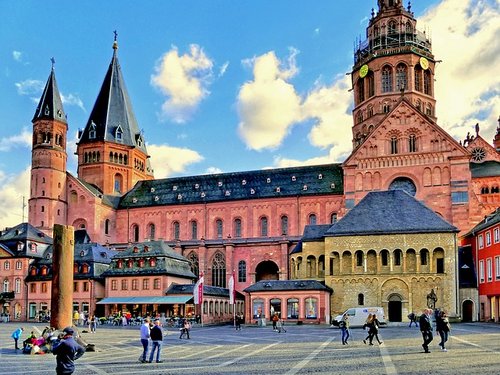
(164, 300)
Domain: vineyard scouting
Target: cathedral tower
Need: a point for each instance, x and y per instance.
(394, 60)
(111, 149)
(47, 203)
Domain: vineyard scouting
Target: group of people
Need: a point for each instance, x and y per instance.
(63, 346)
(155, 333)
(373, 326)
(442, 327)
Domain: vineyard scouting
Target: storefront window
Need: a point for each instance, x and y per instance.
(258, 307)
(292, 308)
(311, 308)
(275, 306)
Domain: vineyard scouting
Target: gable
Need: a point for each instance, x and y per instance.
(480, 150)
(403, 122)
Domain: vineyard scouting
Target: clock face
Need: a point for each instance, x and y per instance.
(363, 71)
(424, 63)
(478, 154)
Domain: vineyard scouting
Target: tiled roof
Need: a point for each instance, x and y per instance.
(112, 119)
(168, 262)
(33, 241)
(50, 106)
(489, 168)
(275, 285)
(315, 232)
(386, 212)
(268, 183)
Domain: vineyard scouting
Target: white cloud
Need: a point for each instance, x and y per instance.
(12, 190)
(30, 87)
(72, 99)
(184, 80)
(23, 139)
(17, 55)
(213, 170)
(167, 160)
(465, 36)
(223, 69)
(268, 106)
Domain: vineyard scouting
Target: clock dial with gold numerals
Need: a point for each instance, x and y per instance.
(424, 63)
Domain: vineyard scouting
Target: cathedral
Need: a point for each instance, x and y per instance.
(253, 222)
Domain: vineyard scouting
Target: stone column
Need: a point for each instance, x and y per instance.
(61, 305)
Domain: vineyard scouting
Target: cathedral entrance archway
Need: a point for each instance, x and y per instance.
(467, 310)
(267, 270)
(395, 308)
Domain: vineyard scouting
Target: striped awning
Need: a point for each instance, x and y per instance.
(163, 300)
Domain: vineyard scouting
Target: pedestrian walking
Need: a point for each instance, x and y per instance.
(16, 335)
(344, 328)
(426, 329)
(237, 322)
(367, 324)
(275, 319)
(374, 329)
(157, 340)
(67, 351)
(280, 325)
(145, 335)
(186, 327)
(413, 319)
(93, 323)
(443, 328)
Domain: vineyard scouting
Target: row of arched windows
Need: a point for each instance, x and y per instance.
(19, 264)
(219, 227)
(139, 165)
(490, 190)
(92, 157)
(118, 158)
(17, 286)
(46, 138)
(135, 262)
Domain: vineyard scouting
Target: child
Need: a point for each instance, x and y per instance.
(16, 335)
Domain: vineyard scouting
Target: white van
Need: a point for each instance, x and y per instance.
(357, 315)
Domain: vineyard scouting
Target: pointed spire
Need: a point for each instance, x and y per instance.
(112, 118)
(50, 106)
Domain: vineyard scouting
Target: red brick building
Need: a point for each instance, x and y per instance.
(249, 221)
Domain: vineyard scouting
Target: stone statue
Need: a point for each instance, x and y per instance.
(432, 299)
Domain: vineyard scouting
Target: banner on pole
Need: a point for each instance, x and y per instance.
(198, 291)
(231, 289)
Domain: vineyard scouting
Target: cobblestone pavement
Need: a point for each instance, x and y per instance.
(473, 348)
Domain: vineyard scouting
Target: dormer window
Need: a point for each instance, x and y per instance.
(47, 110)
(139, 141)
(146, 249)
(252, 191)
(33, 247)
(92, 131)
(179, 196)
(243, 182)
(152, 262)
(304, 187)
(136, 249)
(174, 188)
(134, 200)
(152, 190)
(119, 264)
(203, 195)
(278, 189)
(219, 184)
(228, 193)
(320, 176)
(332, 185)
(119, 133)
(196, 186)
(268, 180)
(294, 178)
(157, 198)
(82, 253)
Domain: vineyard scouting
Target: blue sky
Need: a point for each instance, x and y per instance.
(226, 85)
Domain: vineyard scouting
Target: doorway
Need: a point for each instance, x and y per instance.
(395, 308)
(467, 311)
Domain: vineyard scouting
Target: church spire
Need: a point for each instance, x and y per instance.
(50, 106)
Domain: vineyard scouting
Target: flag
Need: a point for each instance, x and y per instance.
(198, 291)
(231, 289)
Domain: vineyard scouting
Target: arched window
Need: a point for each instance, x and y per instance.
(85, 268)
(135, 233)
(312, 219)
(6, 286)
(263, 227)
(386, 79)
(391, 29)
(194, 230)
(394, 145)
(424, 257)
(17, 288)
(401, 77)
(311, 308)
(242, 271)
(370, 78)
(237, 228)
(176, 230)
(384, 257)
(219, 270)
(409, 27)
(427, 83)
(485, 190)
(194, 263)
(118, 183)
(412, 143)
(359, 117)
(6, 265)
(361, 299)
(151, 231)
(333, 218)
(359, 258)
(418, 78)
(106, 226)
(398, 255)
(361, 90)
(218, 228)
(284, 225)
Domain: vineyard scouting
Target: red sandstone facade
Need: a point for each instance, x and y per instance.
(397, 142)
